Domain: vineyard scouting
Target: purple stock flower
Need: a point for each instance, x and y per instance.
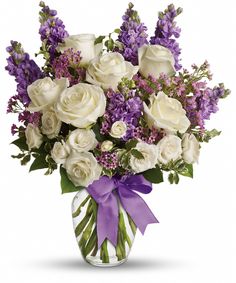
(120, 109)
(132, 35)
(24, 69)
(166, 32)
(52, 29)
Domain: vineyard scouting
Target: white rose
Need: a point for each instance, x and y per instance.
(154, 60)
(81, 105)
(50, 124)
(60, 152)
(191, 148)
(166, 113)
(149, 152)
(82, 168)
(118, 129)
(169, 149)
(83, 43)
(34, 139)
(107, 146)
(44, 92)
(82, 140)
(108, 70)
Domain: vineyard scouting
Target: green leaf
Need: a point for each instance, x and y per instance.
(99, 39)
(187, 171)
(137, 154)
(39, 163)
(131, 144)
(109, 44)
(21, 143)
(208, 135)
(96, 130)
(25, 160)
(154, 175)
(67, 185)
(117, 30)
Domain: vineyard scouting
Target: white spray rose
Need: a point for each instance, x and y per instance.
(34, 139)
(149, 152)
(83, 43)
(81, 105)
(169, 149)
(107, 146)
(191, 148)
(154, 60)
(118, 129)
(50, 124)
(60, 152)
(166, 113)
(44, 92)
(82, 140)
(108, 70)
(82, 168)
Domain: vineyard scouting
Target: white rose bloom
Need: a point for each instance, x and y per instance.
(82, 140)
(81, 105)
(83, 43)
(154, 60)
(166, 113)
(108, 70)
(82, 168)
(34, 139)
(118, 129)
(149, 152)
(191, 148)
(50, 124)
(45, 92)
(60, 152)
(107, 146)
(169, 149)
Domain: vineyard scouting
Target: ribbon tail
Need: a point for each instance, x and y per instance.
(107, 220)
(137, 208)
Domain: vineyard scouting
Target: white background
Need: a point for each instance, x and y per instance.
(195, 240)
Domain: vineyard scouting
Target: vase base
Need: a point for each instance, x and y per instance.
(95, 261)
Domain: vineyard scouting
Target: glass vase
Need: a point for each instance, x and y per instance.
(84, 212)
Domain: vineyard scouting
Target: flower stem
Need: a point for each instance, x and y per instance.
(77, 212)
(104, 256)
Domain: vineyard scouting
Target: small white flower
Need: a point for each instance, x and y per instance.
(60, 152)
(166, 113)
(43, 93)
(191, 148)
(149, 152)
(107, 146)
(82, 168)
(82, 140)
(108, 70)
(118, 129)
(50, 124)
(34, 138)
(169, 149)
(154, 60)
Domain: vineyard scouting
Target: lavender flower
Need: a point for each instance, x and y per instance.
(166, 29)
(121, 109)
(132, 35)
(67, 65)
(52, 29)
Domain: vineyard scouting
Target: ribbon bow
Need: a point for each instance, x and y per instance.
(105, 192)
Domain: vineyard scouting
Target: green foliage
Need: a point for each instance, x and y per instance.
(66, 185)
(21, 143)
(208, 135)
(154, 175)
(99, 39)
(96, 129)
(131, 144)
(136, 153)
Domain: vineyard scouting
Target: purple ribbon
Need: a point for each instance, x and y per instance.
(105, 192)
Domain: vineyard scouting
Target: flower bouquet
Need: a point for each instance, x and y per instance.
(113, 113)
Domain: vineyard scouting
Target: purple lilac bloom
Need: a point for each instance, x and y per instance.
(24, 69)
(203, 103)
(166, 32)
(52, 29)
(121, 109)
(67, 65)
(132, 35)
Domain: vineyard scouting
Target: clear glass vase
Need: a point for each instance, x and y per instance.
(84, 212)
